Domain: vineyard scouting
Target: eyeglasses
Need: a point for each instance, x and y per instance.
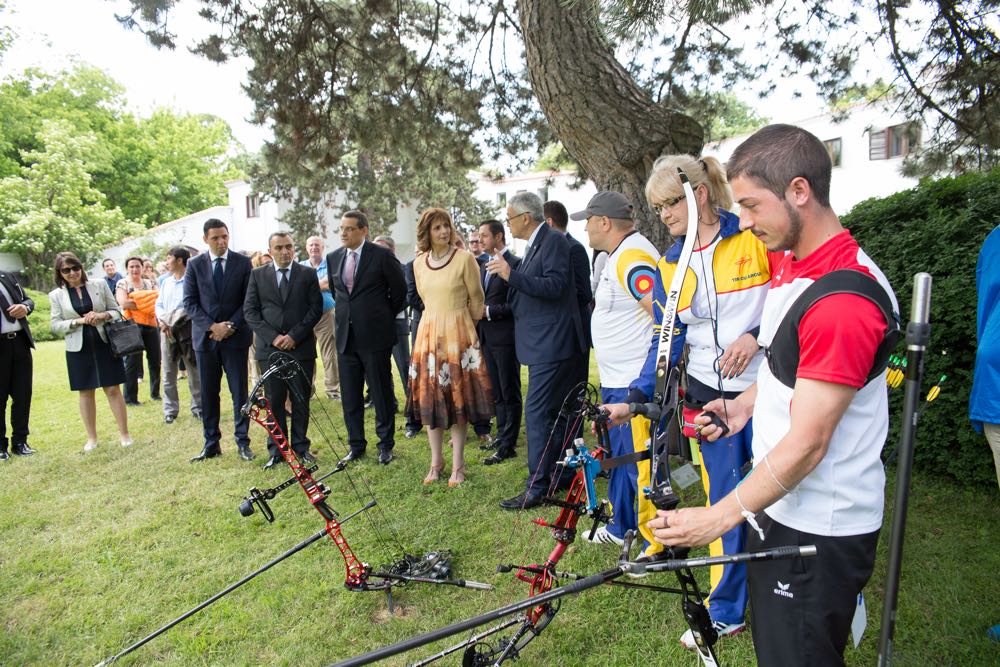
(670, 203)
(66, 270)
(508, 220)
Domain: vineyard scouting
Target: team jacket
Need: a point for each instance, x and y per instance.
(741, 268)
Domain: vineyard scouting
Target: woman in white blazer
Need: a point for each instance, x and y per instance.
(79, 312)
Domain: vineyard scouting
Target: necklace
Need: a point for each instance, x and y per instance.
(438, 258)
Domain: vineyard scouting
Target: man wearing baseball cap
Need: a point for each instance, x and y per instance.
(622, 326)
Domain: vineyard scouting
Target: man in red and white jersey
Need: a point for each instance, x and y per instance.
(818, 432)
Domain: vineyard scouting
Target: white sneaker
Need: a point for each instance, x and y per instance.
(89, 446)
(724, 630)
(127, 443)
(602, 536)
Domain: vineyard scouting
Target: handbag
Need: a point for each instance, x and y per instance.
(123, 335)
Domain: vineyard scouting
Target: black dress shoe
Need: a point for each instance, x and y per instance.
(273, 461)
(411, 433)
(4, 455)
(522, 501)
(21, 449)
(487, 443)
(246, 453)
(133, 404)
(308, 458)
(208, 453)
(384, 457)
(499, 456)
(353, 455)
(169, 419)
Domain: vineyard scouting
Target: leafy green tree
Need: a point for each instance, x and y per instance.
(83, 96)
(52, 205)
(168, 165)
(155, 169)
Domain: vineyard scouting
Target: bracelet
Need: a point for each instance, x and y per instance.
(747, 514)
(775, 477)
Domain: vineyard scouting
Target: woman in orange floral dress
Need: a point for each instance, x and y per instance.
(449, 384)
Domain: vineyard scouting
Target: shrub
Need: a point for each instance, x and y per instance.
(938, 227)
(40, 319)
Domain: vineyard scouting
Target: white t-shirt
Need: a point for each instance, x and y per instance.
(620, 326)
(838, 336)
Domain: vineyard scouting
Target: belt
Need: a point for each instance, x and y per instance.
(11, 335)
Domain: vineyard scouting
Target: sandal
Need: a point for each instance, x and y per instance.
(457, 472)
(433, 474)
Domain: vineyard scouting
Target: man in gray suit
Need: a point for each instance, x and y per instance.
(282, 307)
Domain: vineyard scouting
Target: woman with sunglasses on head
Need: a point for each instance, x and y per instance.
(717, 320)
(80, 310)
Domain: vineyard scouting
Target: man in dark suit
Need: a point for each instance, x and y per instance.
(369, 288)
(557, 218)
(416, 306)
(282, 307)
(16, 344)
(496, 337)
(548, 335)
(215, 287)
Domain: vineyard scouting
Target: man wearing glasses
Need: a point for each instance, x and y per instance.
(369, 288)
(547, 334)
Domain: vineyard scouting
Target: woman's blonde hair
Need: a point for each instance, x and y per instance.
(427, 220)
(664, 183)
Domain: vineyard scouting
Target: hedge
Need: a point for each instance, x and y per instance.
(40, 320)
(938, 227)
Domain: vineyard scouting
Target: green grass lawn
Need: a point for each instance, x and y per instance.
(97, 551)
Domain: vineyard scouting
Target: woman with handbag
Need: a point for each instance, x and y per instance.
(137, 295)
(80, 310)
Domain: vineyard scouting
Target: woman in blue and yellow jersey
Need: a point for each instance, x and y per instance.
(717, 319)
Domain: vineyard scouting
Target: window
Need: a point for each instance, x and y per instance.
(895, 141)
(834, 147)
(501, 199)
(253, 206)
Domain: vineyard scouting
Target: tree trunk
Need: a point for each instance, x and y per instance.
(605, 121)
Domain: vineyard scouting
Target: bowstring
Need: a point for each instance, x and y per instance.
(385, 544)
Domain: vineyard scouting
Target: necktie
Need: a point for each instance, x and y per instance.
(217, 276)
(283, 286)
(350, 268)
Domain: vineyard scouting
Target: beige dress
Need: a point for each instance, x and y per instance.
(449, 383)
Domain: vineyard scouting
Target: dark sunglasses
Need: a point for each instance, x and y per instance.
(66, 270)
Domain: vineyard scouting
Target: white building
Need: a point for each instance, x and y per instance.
(867, 149)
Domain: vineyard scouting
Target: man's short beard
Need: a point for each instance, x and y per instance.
(794, 233)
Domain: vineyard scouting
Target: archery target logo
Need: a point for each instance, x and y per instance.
(636, 272)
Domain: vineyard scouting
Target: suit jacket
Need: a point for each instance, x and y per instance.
(63, 312)
(368, 314)
(498, 329)
(580, 262)
(413, 299)
(17, 296)
(547, 324)
(205, 307)
(269, 316)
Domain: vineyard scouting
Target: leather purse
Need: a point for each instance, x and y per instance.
(123, 335)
